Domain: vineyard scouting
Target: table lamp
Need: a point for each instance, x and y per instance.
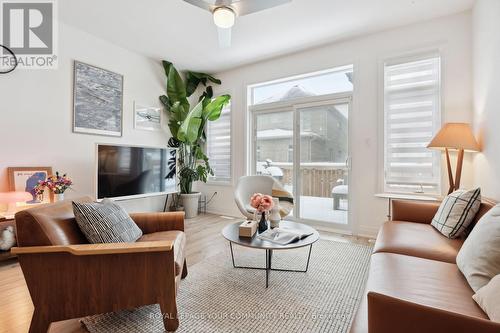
(456, 136)
(11, 199)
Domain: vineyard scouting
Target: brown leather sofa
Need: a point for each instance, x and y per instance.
(69, 278)
(414, 284)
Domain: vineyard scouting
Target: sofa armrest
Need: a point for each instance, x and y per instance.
(387, 314)
(156, 222)
(414, 211)
(98, 249)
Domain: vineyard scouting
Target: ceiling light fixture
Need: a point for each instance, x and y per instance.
(224, 17)
(224, 13)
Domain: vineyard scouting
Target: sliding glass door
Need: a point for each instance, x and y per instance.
(274, 142)
(322, 171)
(304, 144)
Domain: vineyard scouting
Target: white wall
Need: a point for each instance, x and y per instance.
(486, 49)
(36, 112)
(452, 35)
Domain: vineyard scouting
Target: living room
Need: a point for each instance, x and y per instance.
(249, 166)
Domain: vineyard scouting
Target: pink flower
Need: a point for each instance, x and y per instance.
(261, 202)
(255, 200)
(266, 203)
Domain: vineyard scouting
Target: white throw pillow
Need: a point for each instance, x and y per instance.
(456, 212)
(479, 257)
(488, 298)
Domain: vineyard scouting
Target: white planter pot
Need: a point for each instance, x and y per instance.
(58, 197)
(190, 203)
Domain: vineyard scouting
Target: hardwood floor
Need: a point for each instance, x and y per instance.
(204, 240)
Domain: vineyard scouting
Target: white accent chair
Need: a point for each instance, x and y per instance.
(248, 185)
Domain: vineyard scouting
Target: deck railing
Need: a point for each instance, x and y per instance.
(317, 179)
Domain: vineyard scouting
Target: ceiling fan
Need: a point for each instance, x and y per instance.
(224, 13)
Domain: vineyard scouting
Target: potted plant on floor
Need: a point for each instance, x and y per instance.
(187, 126)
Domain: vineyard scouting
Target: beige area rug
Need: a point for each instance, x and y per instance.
(215, 297)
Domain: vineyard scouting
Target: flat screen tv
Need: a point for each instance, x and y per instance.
(125, 172)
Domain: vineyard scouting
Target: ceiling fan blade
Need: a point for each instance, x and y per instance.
(219, 3)
(224, 37)
(245, 7)
(207, 5)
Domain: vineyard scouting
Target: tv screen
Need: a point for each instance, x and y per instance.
(124, 171)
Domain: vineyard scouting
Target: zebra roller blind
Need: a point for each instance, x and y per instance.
(219, 145)
(412, 117)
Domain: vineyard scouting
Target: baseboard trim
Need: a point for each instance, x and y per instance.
(367, 231)
(216, 212)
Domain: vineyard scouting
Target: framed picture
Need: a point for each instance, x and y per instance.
(25, 179)
(147, 117)
(97, 101)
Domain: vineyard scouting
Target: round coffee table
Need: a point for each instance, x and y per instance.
(231, 233)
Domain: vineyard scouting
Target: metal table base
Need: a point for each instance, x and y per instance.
(268, 268)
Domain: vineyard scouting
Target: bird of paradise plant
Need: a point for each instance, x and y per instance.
(187, 125)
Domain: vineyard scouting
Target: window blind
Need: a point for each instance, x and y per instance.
(412, 117)
(219, 145)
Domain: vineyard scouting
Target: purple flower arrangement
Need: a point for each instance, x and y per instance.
(57, 184)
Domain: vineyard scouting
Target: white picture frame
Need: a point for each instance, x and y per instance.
(97, 100)
(147, 118)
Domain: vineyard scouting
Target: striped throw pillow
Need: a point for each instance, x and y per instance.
(456, 212)
(105, 222)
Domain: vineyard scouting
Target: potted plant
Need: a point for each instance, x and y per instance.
(187, 126)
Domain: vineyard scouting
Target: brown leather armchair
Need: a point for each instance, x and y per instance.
(69, 278)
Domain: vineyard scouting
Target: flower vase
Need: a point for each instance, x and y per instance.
(274, 215)
(262, 223)
(58, 197)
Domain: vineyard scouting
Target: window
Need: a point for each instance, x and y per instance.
(331, 81)
(412, 116)
(219, 146)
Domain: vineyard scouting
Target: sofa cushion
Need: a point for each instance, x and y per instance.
(105, 222)
(488, 298)
(456, 212)
(416, 239)
(414, 211)
(431, 283)
(479, 258)
(179, 239)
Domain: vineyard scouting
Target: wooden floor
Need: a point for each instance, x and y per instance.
(203, 240)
